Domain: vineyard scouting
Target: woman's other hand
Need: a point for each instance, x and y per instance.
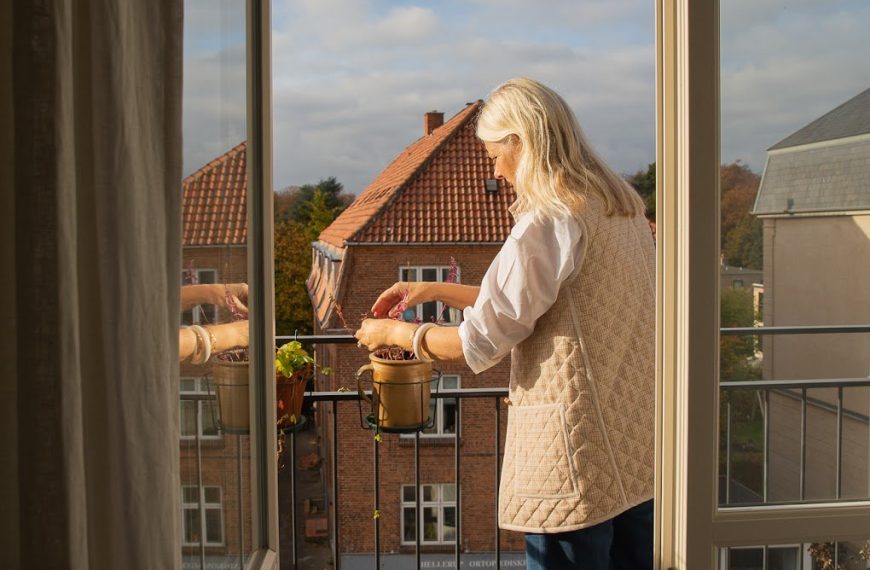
(393, 302)
(236, 294)
(378, 333)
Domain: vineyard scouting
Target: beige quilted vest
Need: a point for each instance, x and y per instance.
(581, 427)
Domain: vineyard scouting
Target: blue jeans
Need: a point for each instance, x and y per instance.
(624, 542)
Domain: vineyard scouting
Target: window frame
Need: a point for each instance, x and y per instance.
(206, 506)
(439, 305)
(440, 504)
(690, 527)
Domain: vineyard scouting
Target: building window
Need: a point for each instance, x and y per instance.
(433, 311)
(737, 284)
(199, 314)
(438, 517)
(443, 410)
(197, 415)
(211, 518)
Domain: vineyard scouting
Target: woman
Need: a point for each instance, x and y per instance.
(199, 343)
(571, 296)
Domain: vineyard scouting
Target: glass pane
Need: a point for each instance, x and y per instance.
(214, 262)
(187, 385)
(430, 524)
(445, 274)
(449, 526)
(209, 419)
(783, 558)
(448, 419)
(191, 525)
(214, 532)
(793, 244)
(429, 274)
(409, 274)
(746, 559)
(408, 524)
(742, 446)
(190, 495)
(408, 494)
(450, 382)
(188, 419)
(212, 495)
(449, 490)
(433, 414)
(430, 493)
(430, 312)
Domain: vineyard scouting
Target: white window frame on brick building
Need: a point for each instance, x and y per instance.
(203, 519)
(201, 314)
(204, 410)
(433, 500)
(414, 273)
(437, 408)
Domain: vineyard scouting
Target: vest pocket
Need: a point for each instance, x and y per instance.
(543, 464)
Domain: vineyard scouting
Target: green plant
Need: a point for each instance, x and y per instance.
(292, 358)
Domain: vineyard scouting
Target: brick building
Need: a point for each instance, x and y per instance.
(214, 250)
(437, 200)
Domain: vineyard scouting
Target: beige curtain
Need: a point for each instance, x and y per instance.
(91, 93)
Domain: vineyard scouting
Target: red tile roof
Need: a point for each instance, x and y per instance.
(434, 191)
(214, 201)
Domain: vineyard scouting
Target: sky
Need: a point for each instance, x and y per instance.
(353, 78)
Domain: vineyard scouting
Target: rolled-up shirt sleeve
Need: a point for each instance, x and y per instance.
(521, 284)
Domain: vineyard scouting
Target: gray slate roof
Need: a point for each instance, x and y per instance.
(830, 177)
(849, 119)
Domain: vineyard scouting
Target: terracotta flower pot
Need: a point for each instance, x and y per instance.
(230, 379)
(289, 395)
(401, 392)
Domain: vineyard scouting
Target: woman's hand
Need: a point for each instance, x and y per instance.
(235, 294)
(378, 333)
(399, 297)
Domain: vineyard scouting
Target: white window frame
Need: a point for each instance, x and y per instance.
(454, 316)
(206, 506)
(439, 415)
(200, 389)
(690, 526)
(199, 315)
(440, 504)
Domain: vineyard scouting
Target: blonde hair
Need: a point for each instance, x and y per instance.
(556, 167)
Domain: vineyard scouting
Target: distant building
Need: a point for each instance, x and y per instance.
(435, 202)
(814, 200)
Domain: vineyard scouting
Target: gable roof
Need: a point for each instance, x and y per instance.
(433, 191)
(214, 201)
(849, 119)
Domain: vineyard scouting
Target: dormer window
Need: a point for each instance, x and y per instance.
(491, 185)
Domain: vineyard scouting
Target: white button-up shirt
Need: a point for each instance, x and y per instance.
(521, 284)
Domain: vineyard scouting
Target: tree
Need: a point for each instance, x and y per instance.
(741, 231)
(645, 184)
(737, 353)
(301, 213)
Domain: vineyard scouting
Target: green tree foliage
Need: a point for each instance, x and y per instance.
(741, 231)
(644, 181)
(736, 353)
(301, 213)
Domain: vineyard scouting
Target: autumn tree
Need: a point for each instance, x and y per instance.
(741, 231)
(301, 213)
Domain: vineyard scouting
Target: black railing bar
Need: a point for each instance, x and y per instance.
(318, 339)
(497, 481)
(728, 449)
(417, 492)
(241, 504)
(803, 471)
(199, 489)
(353, 395)
(457, 423)
(197, 397)
(765, 469)
(292, 452)
(787, 384)
(336, 562)
(839, 442)
(822, 329)
(377, 513)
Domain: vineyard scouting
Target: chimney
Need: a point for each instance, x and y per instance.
(431, 121)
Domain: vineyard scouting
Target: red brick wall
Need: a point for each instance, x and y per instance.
(370, 270)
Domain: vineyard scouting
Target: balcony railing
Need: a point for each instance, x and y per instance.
(795, 389)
